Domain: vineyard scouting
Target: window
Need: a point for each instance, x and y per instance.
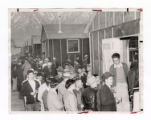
(73, 46)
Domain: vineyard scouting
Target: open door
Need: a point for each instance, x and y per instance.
(110, 46)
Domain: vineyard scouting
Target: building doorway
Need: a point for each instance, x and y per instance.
(127, 47)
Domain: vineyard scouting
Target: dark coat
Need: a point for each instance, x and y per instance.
(107, 100)
(46, 71)
(133, 77)
(26, 90)
(89, 99)
(54, 69)
(20, 76)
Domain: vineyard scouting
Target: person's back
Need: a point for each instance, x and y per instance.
(26, 67)
(106, 99)
(70, 101)
(54, 102)
(89, 98)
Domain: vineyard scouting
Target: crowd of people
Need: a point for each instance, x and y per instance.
(45, 85)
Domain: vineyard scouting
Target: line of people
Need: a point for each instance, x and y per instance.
(49, 87)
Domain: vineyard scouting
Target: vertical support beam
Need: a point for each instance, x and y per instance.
(112, 32)
(45, 49)
(52, 49)
(82, 50)
(113, 18)
(99, 52)
(61, 52)
(48, 48)
(123, 18)
(92, 48)
(90, 45)
(93, 51)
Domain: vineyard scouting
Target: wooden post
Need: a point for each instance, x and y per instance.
(99, 52)
(82, 49)
(61, 52)
(52, 49)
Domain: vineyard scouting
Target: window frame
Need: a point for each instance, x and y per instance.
(78, 46)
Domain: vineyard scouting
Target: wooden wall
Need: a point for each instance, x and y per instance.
(58, 48)
(36, 50)
(110, 25)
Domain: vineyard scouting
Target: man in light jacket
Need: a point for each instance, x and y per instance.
(54, 101)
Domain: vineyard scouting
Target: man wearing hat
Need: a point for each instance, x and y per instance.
(105, 96)
(54, 101)
(61, 87)
(59, 73)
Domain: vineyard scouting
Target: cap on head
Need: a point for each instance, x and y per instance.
(59, 69)
(106, 75)
(85, 55)
(66, 74)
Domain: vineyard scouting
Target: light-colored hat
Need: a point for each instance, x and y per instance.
(40, 62)
(54, 58)
(49, 63)
(66, 74)
(91, 80)
(85, 55)
(60, 69)
(46, 59)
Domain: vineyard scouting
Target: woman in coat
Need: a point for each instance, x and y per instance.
(70, 100)
(105, 95)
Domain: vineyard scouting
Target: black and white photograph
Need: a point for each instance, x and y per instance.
(76, 60)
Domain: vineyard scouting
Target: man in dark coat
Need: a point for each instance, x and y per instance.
(20, 76)
(30, 91)
(106, 98)
(89, 95)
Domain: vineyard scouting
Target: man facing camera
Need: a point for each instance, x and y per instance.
(119, 70)
(29, 91)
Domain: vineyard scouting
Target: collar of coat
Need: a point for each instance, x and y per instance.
(118, 66)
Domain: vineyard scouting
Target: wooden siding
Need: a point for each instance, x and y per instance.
(111, 24)
(36, 50)
(108, 19)
(58, 48)
(102, 20)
